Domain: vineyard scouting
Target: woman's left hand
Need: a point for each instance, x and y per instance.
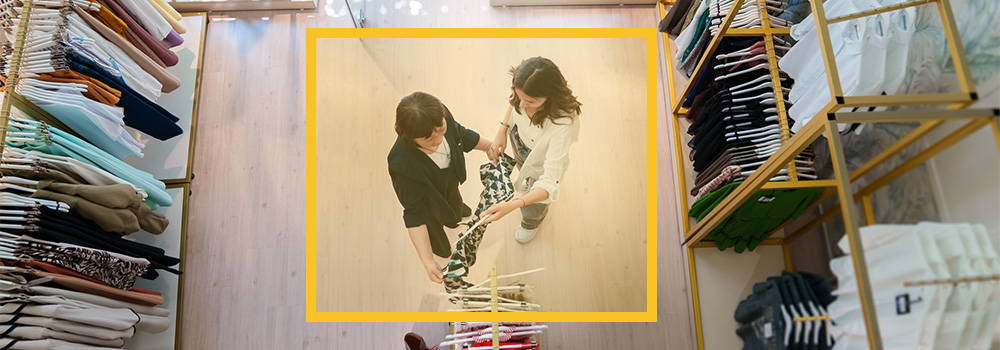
(499, 210)
(491, 153)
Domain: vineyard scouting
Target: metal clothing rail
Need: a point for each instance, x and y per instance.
(826, 121)
(990, 278)
(15, 65)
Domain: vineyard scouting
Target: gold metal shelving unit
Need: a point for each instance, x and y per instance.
(827, 122)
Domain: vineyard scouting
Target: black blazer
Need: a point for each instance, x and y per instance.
(425, 190)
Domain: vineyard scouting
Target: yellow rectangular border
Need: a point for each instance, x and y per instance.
(312, 315)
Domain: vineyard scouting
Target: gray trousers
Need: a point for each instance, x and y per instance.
(532, 214)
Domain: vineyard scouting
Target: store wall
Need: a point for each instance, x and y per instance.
(967, 175)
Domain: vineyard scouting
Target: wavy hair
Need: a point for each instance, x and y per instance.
(539, 77)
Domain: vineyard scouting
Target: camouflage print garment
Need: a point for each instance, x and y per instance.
(498, 188)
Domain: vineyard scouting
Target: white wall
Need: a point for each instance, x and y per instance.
(967, 175)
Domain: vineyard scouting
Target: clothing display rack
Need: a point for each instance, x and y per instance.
(496, 303)
(472, 299)
(826, 121)
(495, 298)
(91, 280)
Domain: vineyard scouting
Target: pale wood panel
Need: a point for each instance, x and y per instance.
(245, 279)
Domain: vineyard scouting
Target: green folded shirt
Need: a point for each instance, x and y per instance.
(751, 223)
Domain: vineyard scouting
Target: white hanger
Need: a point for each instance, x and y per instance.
(762, 136)
(499, 277)
(10, 199)
(745, 134)
(756, 80)
(10, 186)
(485, 309)
(759, 57)
(41, 84)
(18, 180)
(763, 85)
(763, 96)
(772, 118)
(501, 328)
(523, 306)
(744, 71)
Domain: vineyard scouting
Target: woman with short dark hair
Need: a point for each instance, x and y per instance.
(426, 165)
(541, 131)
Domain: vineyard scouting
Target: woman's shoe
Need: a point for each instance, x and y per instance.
(524, 235)
(414, 342)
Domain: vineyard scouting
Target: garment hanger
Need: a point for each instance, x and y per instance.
(761, 78)
(485, 309)
(764, 130)
(533, 346)
(739, 53)
(762, 135)
(522, 306)
(751, 59)
(763, 85)
(772, 118)
(479, 337)
(10, 199)
(10, 186)
(748, 70)
(500, 277)
(42, 85)
(18, 180)
(501, 328)
(763, 96)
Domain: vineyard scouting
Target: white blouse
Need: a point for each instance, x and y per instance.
(546, 164)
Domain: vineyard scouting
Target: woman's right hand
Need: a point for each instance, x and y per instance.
(434, 271)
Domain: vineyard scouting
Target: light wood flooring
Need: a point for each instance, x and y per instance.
(592, 243)
(245, 282)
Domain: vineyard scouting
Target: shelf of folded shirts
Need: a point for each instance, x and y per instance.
(978, 118)
(725, 31)
(826, 121)
(767, 33)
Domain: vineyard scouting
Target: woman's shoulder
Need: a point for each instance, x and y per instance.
(398, 154)
(563, 119)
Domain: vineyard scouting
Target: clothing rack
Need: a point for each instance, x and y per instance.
(826, 121)
(13, 99)
(22, 32)
(495, 305)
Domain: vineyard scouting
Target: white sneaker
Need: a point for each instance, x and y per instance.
(524, 235)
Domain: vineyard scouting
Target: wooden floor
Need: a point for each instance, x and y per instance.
(592, 243)
(246, 245)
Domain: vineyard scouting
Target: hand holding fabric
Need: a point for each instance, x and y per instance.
(492, 154)
(499, 210)
(434, 271)
(500, 142)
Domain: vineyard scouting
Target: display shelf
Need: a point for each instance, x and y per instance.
(826, 122)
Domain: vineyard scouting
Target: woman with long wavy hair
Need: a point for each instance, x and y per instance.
(541, 122)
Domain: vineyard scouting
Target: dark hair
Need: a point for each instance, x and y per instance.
(539, 77)
(417, 116)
